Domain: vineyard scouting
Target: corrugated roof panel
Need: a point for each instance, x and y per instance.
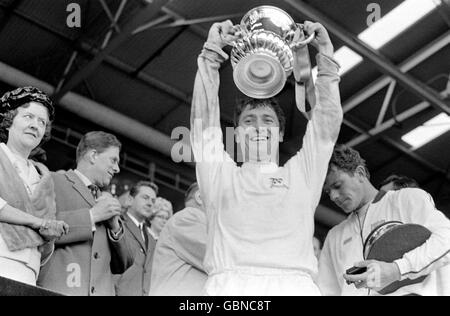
(207, 8)
(54, 14)
(32, 49)
(142, 46)
(177, 64)
(129, 96)
(178, 117)
(98, 23)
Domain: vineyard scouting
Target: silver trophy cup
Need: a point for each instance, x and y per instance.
(262, 59)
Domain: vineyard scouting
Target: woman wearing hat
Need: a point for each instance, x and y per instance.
(27, 201)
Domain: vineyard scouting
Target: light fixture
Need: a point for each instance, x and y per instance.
(428, 131)
(384, 30)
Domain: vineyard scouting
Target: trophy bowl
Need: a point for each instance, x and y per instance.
(262, 59)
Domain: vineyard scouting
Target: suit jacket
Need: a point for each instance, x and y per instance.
(136, 280)
(84, 261)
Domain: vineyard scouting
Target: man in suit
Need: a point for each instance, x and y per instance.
(84, 260)
(136, 280)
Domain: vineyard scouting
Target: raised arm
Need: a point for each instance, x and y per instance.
(327, 114)
(323, 128)
(205, 112)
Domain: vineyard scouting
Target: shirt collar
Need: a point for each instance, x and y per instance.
(83, 178)
(135, 221)
(270, 167)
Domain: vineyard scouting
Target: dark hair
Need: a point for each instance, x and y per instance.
(7, 121)
(190, 191)
(100, 141)
(135, 189)
(400, 182)
(347, 159)
(256, 103)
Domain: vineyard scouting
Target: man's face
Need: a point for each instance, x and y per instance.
(142, 203)
(259, 134)
(28, 126)
(344, 189)
(106, 165)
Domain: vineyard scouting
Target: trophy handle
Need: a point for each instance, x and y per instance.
(307, 40)
(239, 29)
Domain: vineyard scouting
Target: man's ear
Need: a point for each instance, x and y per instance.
(361, 173)
(92, 156)
(198, 199)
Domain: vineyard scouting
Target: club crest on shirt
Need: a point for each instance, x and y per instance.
(278, 183)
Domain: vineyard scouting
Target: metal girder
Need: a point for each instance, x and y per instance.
(388, 124)
(406, 151)
(405, 66)
(110, 15)
(386, 102)
(151, 24)
(67, 70)
(183, 22)
(150, 80)
(150, 11)
(382, 63)
(114, 22)
(125, 68)
(196, 29)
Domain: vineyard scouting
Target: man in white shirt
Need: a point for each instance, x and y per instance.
(260, 216)
(178, 260)
(348, 185)
(136, 280)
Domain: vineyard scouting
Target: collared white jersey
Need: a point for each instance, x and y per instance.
(259, 216)
(343, 246)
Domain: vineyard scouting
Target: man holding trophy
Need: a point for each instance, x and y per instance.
(260, 215)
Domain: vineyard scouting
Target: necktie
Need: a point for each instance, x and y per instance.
(145, 235)
(94, 190)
